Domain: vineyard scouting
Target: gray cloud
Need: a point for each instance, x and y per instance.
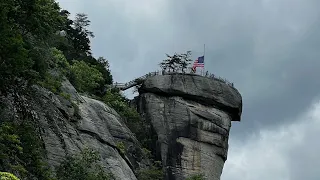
(288, 152)
(268, 48)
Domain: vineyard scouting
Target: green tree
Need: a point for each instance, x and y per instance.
(82, 166)
(82, 22)
(169, 63)
(102, 65)
(153, 173)
(41, 18)
(10, 149)
(32, 154)
(79, 36)
(114, 99)
(7, 176)
(75, 44)
(185, 60)
(176, 62)
(59, 61)
(86, 77)
(21, 151)
(150, 174)
(25, 27)
(196, 177)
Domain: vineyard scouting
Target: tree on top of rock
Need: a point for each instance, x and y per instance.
(177, 62)
(185, 60)
(81, 35)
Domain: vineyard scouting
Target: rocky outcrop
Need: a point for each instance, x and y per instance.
(191, 116)
(67, 128)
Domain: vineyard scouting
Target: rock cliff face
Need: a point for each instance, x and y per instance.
(191, 116)
(66, 129)
(187, 118)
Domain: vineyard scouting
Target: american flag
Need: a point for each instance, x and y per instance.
(198, 62)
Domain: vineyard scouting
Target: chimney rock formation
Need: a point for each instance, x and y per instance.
(191, 116)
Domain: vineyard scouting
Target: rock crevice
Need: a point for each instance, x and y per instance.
(97, 126)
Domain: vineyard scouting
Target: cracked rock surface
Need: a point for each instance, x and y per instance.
(66, 130)
(191, 116)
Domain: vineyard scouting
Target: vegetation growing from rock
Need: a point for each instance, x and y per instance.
(82, 166)
(30, 39)
(41, 45)
(121, 147)
(196, 177)
(21, 152)
(136, 124)
(7, 176)
(176, 62)
(153, 173)
(86, 77)
(24, 34)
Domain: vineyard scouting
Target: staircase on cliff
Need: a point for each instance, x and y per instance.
(135, 82)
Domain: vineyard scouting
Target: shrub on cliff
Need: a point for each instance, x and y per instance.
(119, 103)
(114, 99)
(21, 151)
(7, 176)
(23, 44)
(75, 45)
(154, 173)
(85, 77)
(82, 166)
(196, 177)
(29, 45)
(10, 149)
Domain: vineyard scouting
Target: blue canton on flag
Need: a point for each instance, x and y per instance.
(201, 59)
(199, 62)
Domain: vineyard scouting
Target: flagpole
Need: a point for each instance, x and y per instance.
(204, 54)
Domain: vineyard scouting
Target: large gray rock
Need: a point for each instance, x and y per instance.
(197, 88)
(191, 116)
(67, 128)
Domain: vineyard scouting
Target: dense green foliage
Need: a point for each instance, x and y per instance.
(196, 177)
(33, 49)
(75, 45)
(10, 148)
(21, 151)
(154, 173)
(86, 77)
(83, 166)
(7, 176)
(41, 45)
(31, 34)
(121, 147)
(24, 29)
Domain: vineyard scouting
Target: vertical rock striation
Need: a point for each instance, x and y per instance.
(67, 128)
(191, 116)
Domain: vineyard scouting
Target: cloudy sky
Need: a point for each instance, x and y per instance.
(270, 49)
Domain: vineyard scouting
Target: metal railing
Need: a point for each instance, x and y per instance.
(140, 80)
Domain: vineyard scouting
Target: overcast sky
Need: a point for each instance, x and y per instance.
(270, 49)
